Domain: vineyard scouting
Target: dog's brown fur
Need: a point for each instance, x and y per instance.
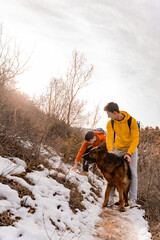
(115, 170)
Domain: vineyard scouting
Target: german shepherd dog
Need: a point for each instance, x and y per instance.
(115, 170)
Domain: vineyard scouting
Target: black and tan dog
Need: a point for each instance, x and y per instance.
(115, 170)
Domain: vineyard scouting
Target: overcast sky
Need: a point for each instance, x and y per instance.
(121, 38)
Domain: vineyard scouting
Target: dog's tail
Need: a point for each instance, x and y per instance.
(129, 171)
(129, 174)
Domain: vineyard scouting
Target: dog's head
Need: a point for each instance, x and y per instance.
(93, 155)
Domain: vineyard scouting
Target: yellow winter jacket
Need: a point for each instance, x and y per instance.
(125, 138)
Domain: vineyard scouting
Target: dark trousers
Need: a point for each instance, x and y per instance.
(85, 165)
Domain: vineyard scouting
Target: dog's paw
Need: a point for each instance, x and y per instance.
(122, 209)
(104, 205)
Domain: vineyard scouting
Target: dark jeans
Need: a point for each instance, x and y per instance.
(85, 166)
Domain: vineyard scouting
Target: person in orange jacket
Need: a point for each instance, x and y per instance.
(92, 139)
(123, 139)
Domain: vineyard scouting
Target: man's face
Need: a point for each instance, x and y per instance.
(112, 115)
(91, 141)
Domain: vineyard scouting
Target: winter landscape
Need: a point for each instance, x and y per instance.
(38, 206)
(61, 62)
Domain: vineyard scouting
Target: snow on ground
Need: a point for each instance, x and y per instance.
(14, 166)
(53, 217)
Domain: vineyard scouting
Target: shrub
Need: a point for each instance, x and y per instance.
(149, 172)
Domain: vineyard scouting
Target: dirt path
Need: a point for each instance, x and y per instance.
(116, 225)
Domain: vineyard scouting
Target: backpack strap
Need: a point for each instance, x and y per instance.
(129, 122)
(112, 123)
(114, 134)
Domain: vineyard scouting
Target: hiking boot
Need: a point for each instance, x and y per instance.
(132, 203)
(111, 201)
(83, 173)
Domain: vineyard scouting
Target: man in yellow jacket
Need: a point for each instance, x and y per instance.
(122, 139)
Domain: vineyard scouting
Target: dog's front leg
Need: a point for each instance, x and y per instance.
(106, 198)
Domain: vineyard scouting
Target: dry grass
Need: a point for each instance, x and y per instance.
(22, 191)
(148, 176)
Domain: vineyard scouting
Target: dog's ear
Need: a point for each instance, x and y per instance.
(102, 146)
(94, 150)
(93, 153)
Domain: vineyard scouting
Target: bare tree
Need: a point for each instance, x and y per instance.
(61, 97)
(96, 117)
(77, 78)
(58, 99)
(10, 64)
(53, 102)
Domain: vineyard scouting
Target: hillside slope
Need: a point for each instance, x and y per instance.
(57, 203)
(148, 177)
